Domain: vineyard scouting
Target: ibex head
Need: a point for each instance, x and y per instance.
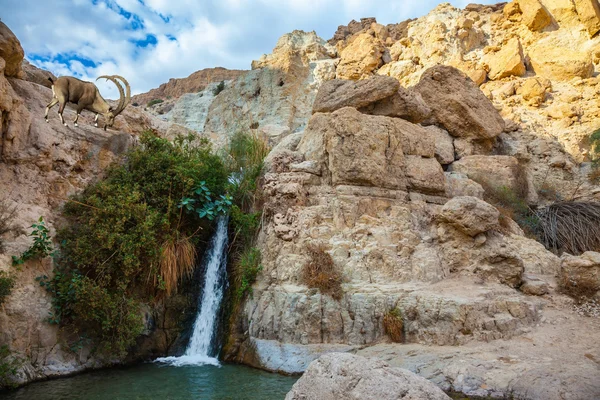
(124, 99)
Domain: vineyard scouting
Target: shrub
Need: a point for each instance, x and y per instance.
(570, 227)
(7, 216)
(41, 247)
(7, 283)
(321, 273)
(219, 88)
(129, 240)
(594, 175)
(153, 102)
(247, 268)
(394, 325)
(9, 365)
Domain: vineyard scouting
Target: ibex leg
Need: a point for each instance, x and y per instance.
(96, 120)
(78, 111)
(49, 106)
(61, 108)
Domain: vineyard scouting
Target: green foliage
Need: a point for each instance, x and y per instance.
(153, 102)
(219, 88)
(9, 365)
(203, 204)
(112, 251)
(7, 283)
(41, 247)
(594, 175)
(248, 268)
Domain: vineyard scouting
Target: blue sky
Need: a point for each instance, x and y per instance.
(150, 41)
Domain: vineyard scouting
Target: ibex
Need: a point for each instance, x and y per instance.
(87, 96)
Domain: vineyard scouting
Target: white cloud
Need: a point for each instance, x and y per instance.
(66, 36)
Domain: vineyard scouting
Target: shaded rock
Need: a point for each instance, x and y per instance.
(338, 93)
(580, 275)
(11, 51)
(405, 104)
(337, 376)
(560, 63)
(470, 215)
(444, 145)
(425, 175)
(458, 184)
(589, 14)
(535, 15)
(37, 75)
(508, 61)
(360, 58)
(458, 104)
(534, 287)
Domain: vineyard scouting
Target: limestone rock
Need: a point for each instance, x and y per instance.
(581, 273)
(337, 376)
(458, 104)
(458, 184)
(11, 51)
(360, 58)
(535, 15)
(589, 14)
(425, 175)
(37, 75)
(560, 63)
(404, 103)
(444, 145)
(534, 287)
(470, 215)
(507, 62)
(533, 90)
(512, 11)
(337, 93)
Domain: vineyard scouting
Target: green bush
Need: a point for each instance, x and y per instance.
(153, 102)
(9, 365)
(247, 268)
(594, 176)
(129, 241)
(41, 247)
(219, 88)
(7, 283)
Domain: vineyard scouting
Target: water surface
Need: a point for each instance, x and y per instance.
(155, 381)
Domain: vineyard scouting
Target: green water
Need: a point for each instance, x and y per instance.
(152, 381)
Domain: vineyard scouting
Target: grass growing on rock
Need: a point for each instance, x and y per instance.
(7, 283)
(128, 241)
(321, 273)
(394, 325)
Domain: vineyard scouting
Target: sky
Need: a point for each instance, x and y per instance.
(150, 41)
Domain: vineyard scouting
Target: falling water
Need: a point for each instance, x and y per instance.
(200, 349)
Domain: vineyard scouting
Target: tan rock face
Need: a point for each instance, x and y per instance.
(404, 103)
(345, 376)
(581, 273)
(533, 90)
(458, 104)
(509, 61)
(535, 16)
(338, 93)
(11, 51)
(498, 170)
(360, 58)
(470, 215)
(589, 14)
(560, 63)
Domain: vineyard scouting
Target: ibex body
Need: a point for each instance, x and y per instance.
(86, 96)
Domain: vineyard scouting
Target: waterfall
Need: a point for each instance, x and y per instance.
(200, 349)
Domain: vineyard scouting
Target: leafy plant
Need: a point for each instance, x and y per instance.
(153, 102)
(203, 204)
(7, 283)
(126, 241)
(219, 88)
(248, 268)
(9, 365)
(41, 247)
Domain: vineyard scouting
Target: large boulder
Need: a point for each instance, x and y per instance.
(535, 16)
(11, 51)
(470, 215)
(444, 145)
(37, 75)
(507, 62)
(360, 58)
(458, 104)
(337, 376)
(339, 93)
(580, 275)
(589, 14)
(405, 104)
(560, 63)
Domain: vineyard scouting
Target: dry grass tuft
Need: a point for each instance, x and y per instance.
(594, 175)
(177, 261)
(569, 226)
(320, 272)
(394, 325)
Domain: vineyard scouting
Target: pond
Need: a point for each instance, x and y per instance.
(156, 381)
